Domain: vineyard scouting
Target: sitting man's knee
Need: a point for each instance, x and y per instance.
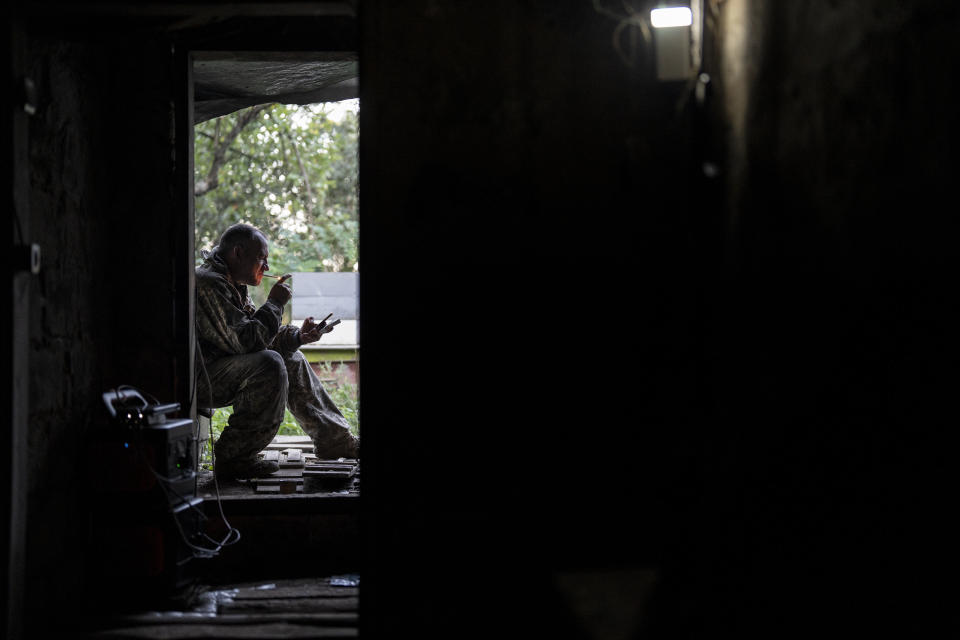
(272, 365)
(275, 358)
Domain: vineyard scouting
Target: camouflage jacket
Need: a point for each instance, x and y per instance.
(227, 321)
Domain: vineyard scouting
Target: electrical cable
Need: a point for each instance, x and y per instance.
(164, 483)
(213, 455)
(144, 394)
(629, 21)
(197, 551)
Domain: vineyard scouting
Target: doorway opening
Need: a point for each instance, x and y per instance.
(276, 147)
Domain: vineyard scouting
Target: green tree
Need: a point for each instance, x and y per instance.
(288, 170)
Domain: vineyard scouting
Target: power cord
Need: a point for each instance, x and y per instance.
(213, 454)
(166, 485)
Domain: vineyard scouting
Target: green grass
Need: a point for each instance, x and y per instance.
(341, 391)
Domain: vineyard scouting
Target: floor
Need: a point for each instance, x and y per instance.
(325, 607)
(300, 473)
(299, 521)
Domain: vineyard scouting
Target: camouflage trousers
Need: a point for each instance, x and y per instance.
(259, 385)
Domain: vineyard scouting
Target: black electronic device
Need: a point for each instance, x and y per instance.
(148, 450)
(142, 473)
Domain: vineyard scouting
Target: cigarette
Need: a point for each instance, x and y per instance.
(327, 318)
(267, 275)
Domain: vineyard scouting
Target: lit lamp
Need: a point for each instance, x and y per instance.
(673, 42)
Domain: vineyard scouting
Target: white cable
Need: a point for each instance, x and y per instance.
(164, 482)
(213, 456)
(204, 553)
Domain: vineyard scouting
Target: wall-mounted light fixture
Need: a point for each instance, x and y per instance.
(671, 17)
(676, 39)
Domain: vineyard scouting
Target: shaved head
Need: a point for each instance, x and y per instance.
(241, 234)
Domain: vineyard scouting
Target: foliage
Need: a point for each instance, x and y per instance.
(288, 170)
(338, 386)
(343, 393)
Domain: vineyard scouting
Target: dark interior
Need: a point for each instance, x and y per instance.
(691, 370)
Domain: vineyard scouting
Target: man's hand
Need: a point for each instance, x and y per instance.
(311, 331)
(280, 294)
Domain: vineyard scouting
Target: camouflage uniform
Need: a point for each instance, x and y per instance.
(253, 363)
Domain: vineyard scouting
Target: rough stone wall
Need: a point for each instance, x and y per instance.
(63, 353)
(102, 309)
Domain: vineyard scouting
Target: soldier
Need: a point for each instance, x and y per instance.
(251, 361)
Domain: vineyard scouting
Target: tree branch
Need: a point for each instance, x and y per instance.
(303, 172)
(246, 155)
(234, 151)
(211, 181)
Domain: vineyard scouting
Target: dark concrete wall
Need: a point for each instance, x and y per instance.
(769, 452)
(103, 306)
(556, 189)
(833, 317)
